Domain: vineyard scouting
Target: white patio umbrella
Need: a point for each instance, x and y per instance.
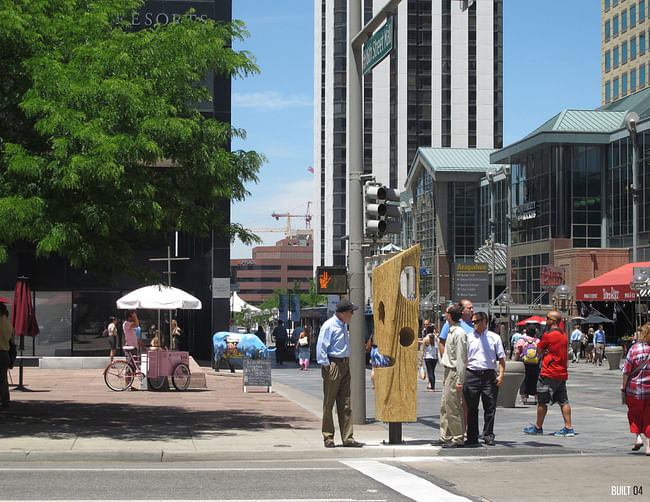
(158, 297)
(238, 305)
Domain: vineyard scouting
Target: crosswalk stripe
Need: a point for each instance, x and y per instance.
(403, 482)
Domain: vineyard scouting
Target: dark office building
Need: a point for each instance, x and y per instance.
(72, 306)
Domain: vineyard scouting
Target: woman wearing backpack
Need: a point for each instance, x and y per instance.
(526, 351)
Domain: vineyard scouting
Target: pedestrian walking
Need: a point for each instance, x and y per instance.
(599, 345)
(304, 348)
(281, 338)
(576, 340)
(6, 337)
(484, 352)
(551, 385)
(430, 356)
(526, 351)
(333, 354)
(112, 336)
(636, 388)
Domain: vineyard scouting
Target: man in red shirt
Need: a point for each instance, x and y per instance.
(551, 385)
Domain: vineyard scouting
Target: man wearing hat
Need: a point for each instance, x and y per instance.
(333, 355)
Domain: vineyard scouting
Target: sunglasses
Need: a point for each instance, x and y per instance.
(476, 321)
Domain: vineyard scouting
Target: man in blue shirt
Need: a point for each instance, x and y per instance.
(465, 322)
(599, 345)
(333, 355)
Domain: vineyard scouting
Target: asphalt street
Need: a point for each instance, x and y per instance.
(70, 438)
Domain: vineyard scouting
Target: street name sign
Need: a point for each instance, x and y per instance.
(378, 46)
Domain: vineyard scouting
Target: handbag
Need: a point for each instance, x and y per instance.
(632, 373)
(303, 342)
(421, 373)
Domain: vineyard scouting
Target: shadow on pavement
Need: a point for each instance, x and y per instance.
(132, 422)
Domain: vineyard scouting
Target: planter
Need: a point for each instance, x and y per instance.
(512, 379)
(613, 353)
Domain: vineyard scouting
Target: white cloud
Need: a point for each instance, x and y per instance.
(269, 100)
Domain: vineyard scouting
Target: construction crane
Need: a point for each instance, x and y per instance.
(288, 230)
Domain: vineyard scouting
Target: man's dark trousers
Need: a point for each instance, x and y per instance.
(480, 386)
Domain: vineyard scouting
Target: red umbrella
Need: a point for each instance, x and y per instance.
(23, 318)
(4, 300)
(536, 319)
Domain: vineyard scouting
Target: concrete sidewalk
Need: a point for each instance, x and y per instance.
(70, 414)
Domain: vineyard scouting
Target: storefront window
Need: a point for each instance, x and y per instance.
(54, 315)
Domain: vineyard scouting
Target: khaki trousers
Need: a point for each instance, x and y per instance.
(336, 389)
(452, 427)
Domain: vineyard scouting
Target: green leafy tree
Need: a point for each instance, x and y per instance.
(312, 299)
(102, 148)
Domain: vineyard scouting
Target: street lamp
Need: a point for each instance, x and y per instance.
(631, 120)
(638, 284)
(490, 174)
(506, 300)
(562, 300)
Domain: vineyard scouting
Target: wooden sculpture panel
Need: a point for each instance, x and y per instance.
(395, 334)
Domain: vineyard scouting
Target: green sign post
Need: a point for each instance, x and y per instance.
(378, 46)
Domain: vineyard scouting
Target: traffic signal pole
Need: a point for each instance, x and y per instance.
(354, 160)
(355, 207)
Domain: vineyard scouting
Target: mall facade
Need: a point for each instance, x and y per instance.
(563, 201)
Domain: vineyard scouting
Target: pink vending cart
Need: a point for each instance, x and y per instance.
(162, 363)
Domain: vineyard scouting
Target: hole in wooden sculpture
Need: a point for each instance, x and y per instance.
(381, 311)
(408, 283)
(406, 337)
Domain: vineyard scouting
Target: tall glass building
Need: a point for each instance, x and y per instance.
(625, 53)
(441, 86)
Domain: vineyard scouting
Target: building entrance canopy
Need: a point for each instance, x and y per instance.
(611, 286)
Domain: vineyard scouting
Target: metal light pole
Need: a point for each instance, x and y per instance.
(490, 174)
(631, 120)
(639, 282)
(357, 37)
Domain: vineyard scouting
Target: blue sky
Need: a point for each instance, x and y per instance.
(551, 62)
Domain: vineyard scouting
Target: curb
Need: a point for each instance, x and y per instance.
(369, 451)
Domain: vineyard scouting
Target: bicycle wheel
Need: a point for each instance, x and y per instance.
(156, 383)
(118, 375)
(181, 376)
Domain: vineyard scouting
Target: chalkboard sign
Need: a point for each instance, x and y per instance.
(257, 373)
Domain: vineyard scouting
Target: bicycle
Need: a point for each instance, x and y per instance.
(120, 374)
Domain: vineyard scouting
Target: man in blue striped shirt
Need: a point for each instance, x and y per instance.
(333, 355)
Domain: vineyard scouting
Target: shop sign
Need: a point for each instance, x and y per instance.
(471, 281)
(551, 277)
(526, 211)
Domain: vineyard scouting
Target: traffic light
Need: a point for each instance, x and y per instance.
(382, 217)
(331, 281)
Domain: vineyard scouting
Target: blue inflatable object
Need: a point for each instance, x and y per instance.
(245, 345)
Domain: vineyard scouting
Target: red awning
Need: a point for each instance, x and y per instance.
(536, 319)
(611, 286)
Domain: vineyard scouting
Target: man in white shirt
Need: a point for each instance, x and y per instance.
(484, 351)
(576, 338)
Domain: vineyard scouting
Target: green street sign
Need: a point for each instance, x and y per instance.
(378, 46)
